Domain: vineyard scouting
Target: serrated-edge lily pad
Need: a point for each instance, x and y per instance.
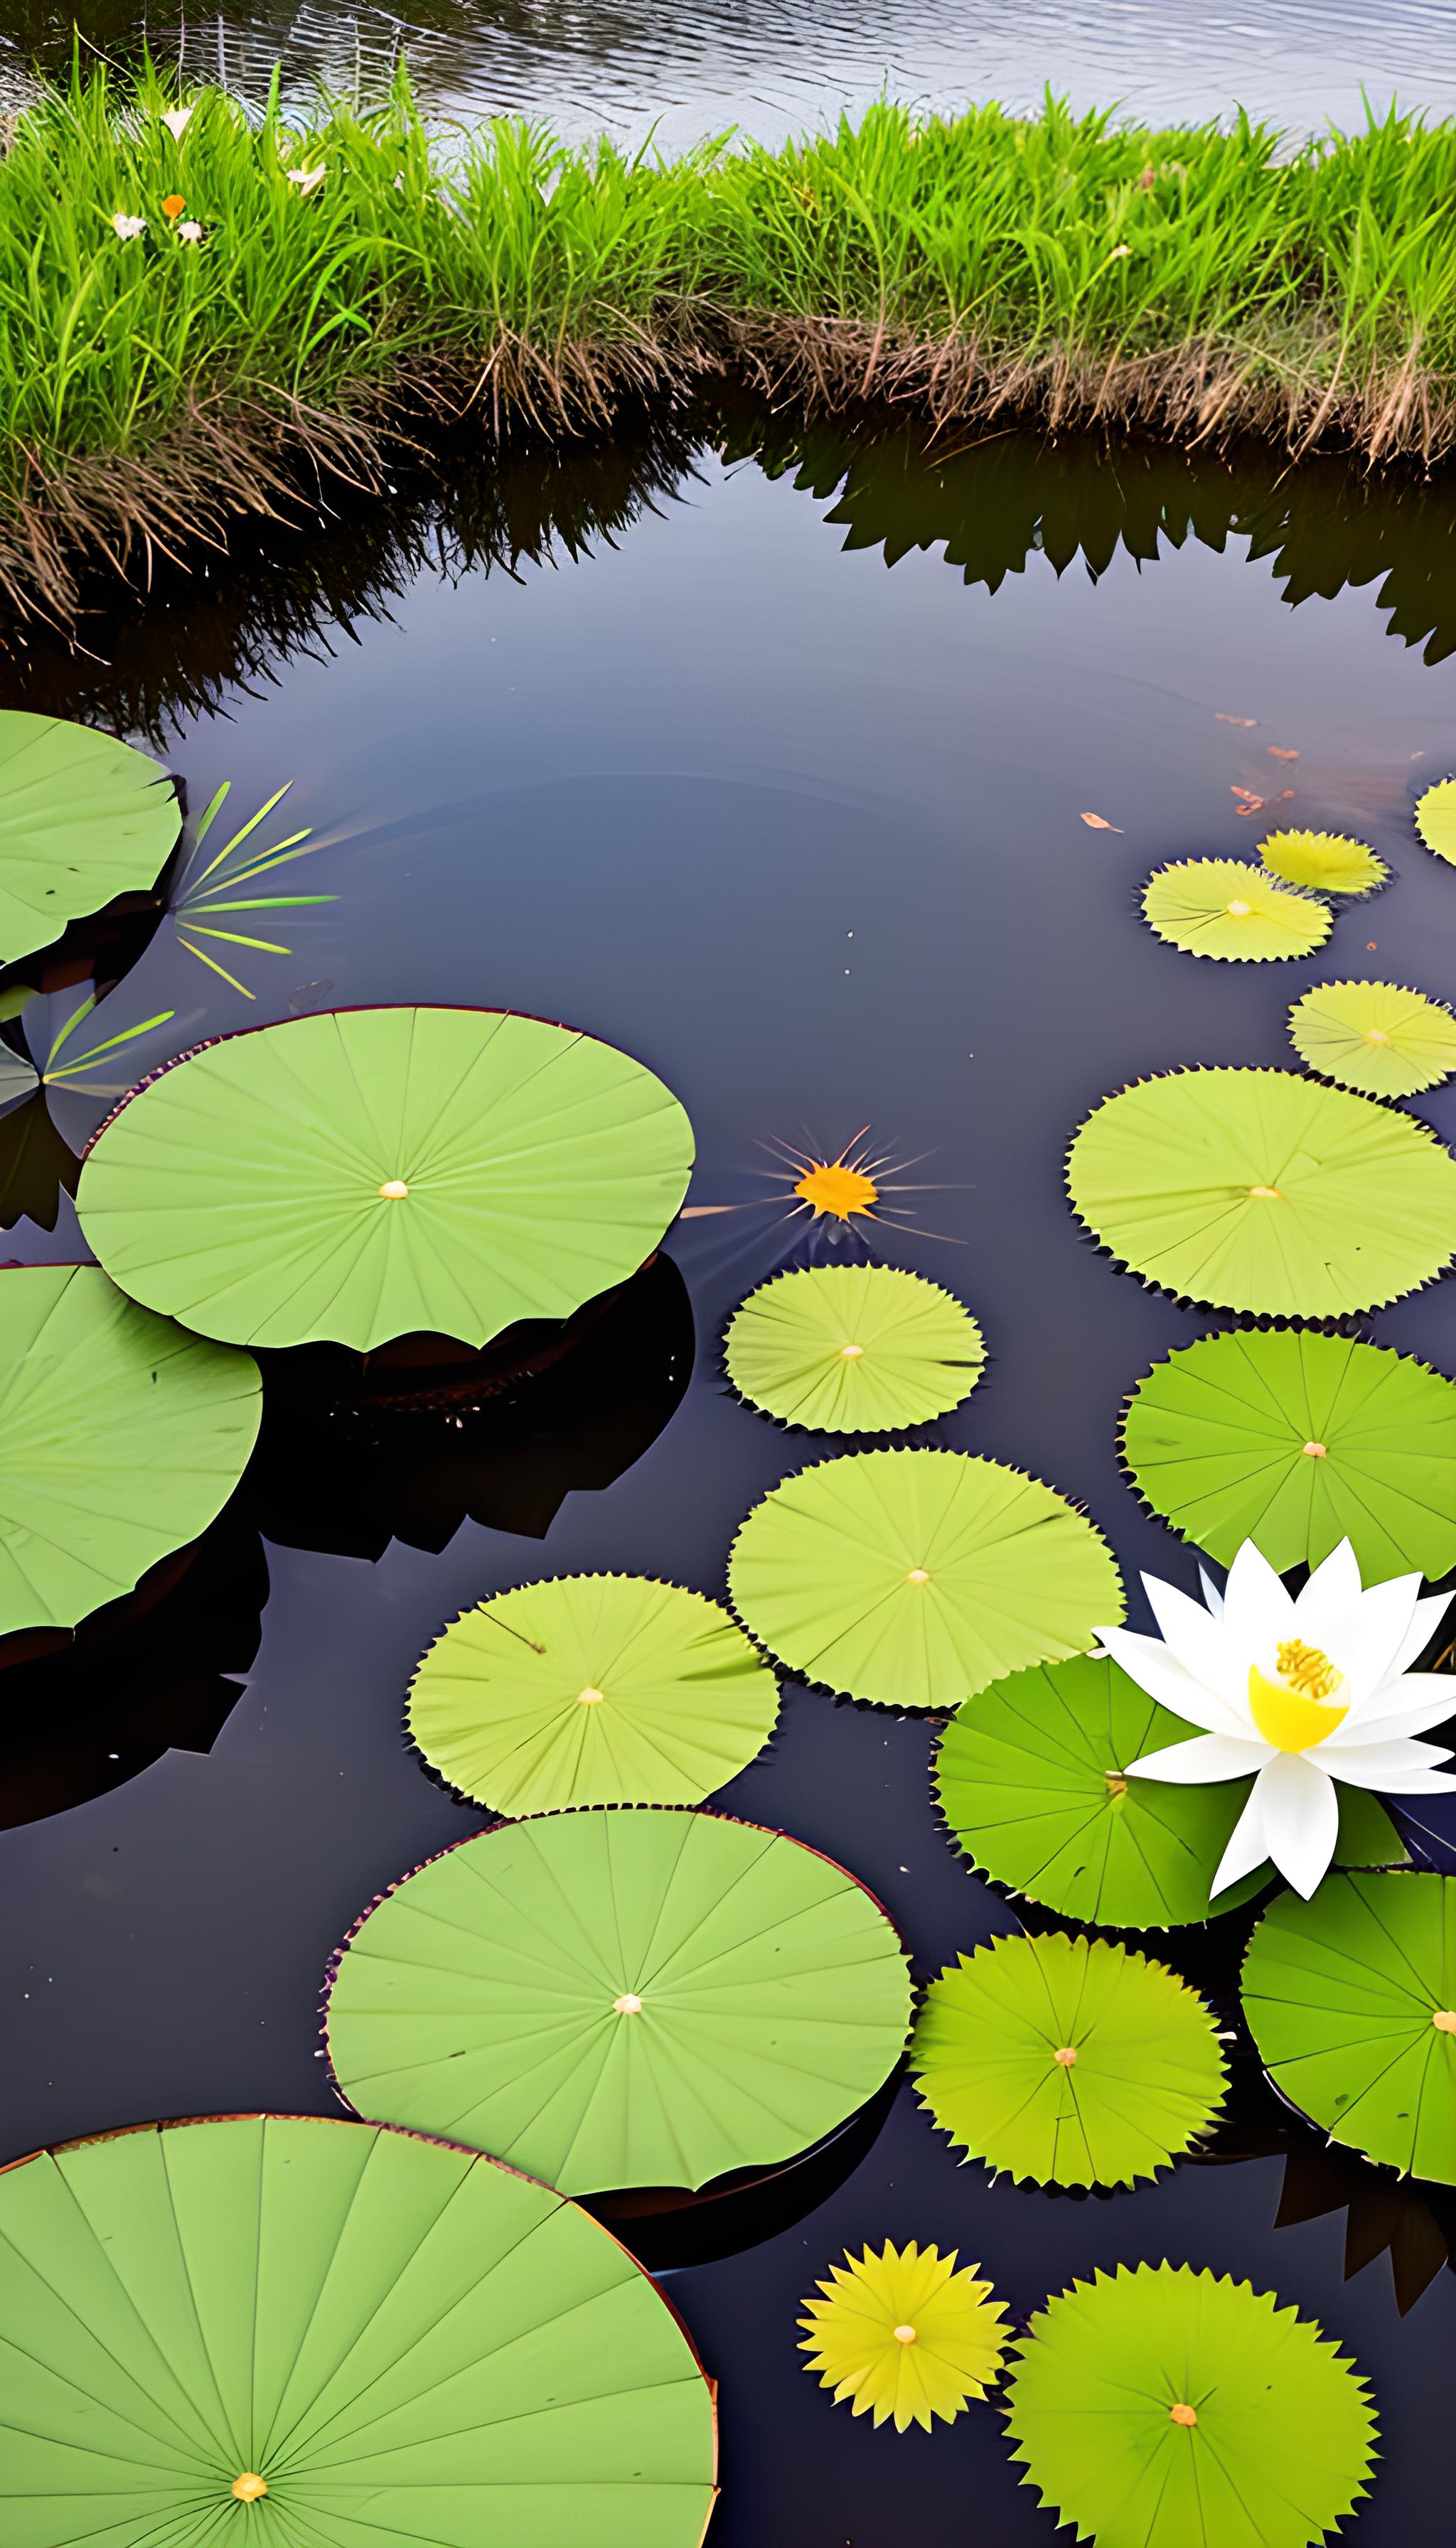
(1263, 1191)
(1230, 910)
(592, 1690)
(1351, 2000)
(619, 1998)
(368, 1173)
(121, 1439)
(1435, 819)
(1296, 1441)
(83, 819)
(912, 1579)
(283, 2329)
(1030, 1777)
(904, 2334)
(1375, 1037)
(1067, 2061)
(852, 1349)
(1162, 2408)
(1323, 862)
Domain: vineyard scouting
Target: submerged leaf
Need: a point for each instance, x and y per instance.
(852, 1349)
(1067, 2061)
(1160, 2408)
(83, 819)
(1373, 1037)
(1323, 862)
(1222, 908)
(1095, 823)
(904, 2334)
(1264, 1191)
(914, 1578)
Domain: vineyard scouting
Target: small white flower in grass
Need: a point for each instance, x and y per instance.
(127, 225)
(1123, 250)
(306, 179)
(191, 232)
(1301, 1690)
(177, 120)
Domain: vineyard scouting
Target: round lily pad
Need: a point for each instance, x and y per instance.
(1323, 862)
(592, 1690)
(1159, 2408)
(369, 1173)
(1264, 1191)
(914, 1578)
(1298, 1441)
(1032, 1779)
(610, 1999)
(1374, 1036)
(121, 1439)
(1226, 908)
(288, 2331)
(904, 2334)
(852, 1349)
(1067, 2061)
(1435, 819)
(83, 818)
(1351, 2000)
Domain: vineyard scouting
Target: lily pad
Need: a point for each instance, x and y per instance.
(1323, 862)
(914, 1578)
(121, 1439)
(369, 1173)
(1067, 2061)
(1229, 909)
(1374, 1036)
(608, 1999)
(852, 1349)
(1351, 2000)
(83, 818)
(592, 1690)
(1264, 1191)
(1032, 1779)
(1435, 819)
(904, 2336)
(285, 2331)
(1160, 2408)
(1298, 1441)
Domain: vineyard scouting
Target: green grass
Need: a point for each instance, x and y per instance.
(1194, 282)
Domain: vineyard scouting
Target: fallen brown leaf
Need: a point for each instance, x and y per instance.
(1231, 720)
(1095, 823)
(1248, 794)
(1276, 753)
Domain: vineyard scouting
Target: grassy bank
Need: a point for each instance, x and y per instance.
(285, 326)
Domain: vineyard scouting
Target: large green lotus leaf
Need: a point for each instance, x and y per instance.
(83, 818)
(398, 2341)
(1298, 1441)
(367, 1173)
(121, 1439)
(592, 1690)
(1323, 862)
(1261, 1190)
(1032, 1779)
(610, 1999)
(1435, 819)
(914, 1578)
(852, 1349)
(1224, 908)
(1374, 1036)
(1159, 2408)
(1067, 2061)
(1351, 2000)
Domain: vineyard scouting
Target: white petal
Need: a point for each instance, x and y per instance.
(1207, 1757)
(1147, 1662)
(1211, 1592)
(1246, 1848)
(1332, 1592)
(1425, 1621)
(1301, 1813)
(1196, 1641)
(1365, 1641)
(1407, 1705)
(1257, 1610)
(1399, 1769)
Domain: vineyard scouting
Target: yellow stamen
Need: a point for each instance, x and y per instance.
(249, 2487)
(904, 2336)
(1317, 1450)
(1181, 2415)
(1067, 2055)
(1239, 910)
(590, 1697)
(1444, 2020)
(918, 1575)
(836, 1191)
(394, 1190)
(1266, 1194)
(852, 1354)
(1297, 1712)
(629, 2005)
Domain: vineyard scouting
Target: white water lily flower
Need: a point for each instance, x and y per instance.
(127, 225)
(306, 179)
(1303, 1690)
(177, 120)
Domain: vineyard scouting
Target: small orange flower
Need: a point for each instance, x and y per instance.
(172, 205)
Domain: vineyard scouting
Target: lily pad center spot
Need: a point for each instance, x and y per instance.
(249, 2487)
(904, 2336)
(1183, 2413)
(918, 1575)
(394, 1190)
(852, 1354)
(1067, 2055)
(1238, 910)
(590, 1697)
(629, 2005)
(1444, 2020)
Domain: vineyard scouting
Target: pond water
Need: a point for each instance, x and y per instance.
(770, 66)
(768, 757)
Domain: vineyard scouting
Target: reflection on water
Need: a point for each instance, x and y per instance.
(772, 66)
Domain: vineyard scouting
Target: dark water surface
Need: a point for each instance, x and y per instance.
(661, 742)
